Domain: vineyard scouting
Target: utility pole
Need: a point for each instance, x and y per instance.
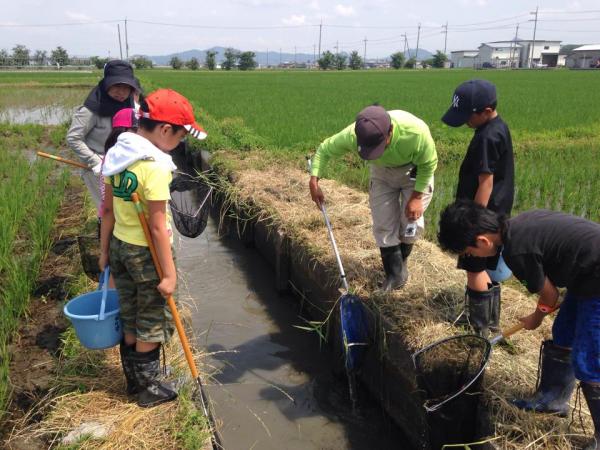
(294, 56)
(365, 53)
(406, 46)
(314, 54)
(418, 36)
(267, 58)
(445, 27)
(513, 47)
(126, 41)
(337, 46)
(120, 47)
(534, 30)
(320, 33)
(280, 57)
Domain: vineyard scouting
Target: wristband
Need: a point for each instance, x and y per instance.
(546, 309)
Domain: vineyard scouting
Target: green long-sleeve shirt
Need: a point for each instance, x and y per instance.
(411, 143)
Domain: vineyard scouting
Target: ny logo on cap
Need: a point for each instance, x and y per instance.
(455, 100)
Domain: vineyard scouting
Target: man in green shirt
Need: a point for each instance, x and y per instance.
(403, 159)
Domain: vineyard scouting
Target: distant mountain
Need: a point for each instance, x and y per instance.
(273, 58)
(423, 54)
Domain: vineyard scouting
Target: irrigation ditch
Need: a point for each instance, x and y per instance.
(387, 373)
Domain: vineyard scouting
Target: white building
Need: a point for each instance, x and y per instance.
(518, 53)
(584, 57)
(461, 59)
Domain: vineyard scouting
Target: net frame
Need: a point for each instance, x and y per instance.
(190, 223)
(432, 405)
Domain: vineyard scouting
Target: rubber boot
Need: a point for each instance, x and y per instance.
(406, 250)
(591, 392)
(479, 305)
(556, 385)
(495, 308)
(395, 269)
(153, 389)
(128, 368)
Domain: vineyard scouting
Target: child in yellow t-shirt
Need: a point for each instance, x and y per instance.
(139, 162)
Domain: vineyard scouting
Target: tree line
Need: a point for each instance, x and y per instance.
(233, 59)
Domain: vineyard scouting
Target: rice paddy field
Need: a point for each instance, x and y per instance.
(553, 116)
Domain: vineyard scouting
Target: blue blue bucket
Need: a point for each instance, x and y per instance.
(501, 272)
(95, 316)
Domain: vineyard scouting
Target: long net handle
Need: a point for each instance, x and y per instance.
(331, 237)
(64, 160)
(180, 330)
(509, 332)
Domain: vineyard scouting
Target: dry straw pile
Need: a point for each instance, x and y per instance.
(423, 311)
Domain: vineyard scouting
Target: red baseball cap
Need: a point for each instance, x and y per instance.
(166, 105)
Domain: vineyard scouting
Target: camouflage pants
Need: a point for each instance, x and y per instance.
(144, 312)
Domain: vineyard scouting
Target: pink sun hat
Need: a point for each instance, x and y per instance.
(126, 118)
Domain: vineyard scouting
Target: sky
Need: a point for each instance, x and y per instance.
(158, 27)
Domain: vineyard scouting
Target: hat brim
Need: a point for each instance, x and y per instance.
(370, 153)
(111, 81)
(456, 118)
(196, 130)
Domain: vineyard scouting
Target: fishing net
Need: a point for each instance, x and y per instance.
(450, 367)
(190, 204)
(354, 330)
(89, 250)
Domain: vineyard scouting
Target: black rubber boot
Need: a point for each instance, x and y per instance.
(495, 308)
(591, 392)
(395, 269)
(406, 250)
(479, 304)
(128, 367)
(153, 390)
(556, 385)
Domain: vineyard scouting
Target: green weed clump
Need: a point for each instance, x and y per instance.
(30, 201)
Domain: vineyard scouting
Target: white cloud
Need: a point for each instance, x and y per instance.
(294, 20)
(345, 11)
(314, 5)
(77, 16)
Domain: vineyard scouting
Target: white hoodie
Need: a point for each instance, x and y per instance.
(131, 147)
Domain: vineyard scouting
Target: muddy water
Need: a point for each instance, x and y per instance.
(272, 386)
(45, 115)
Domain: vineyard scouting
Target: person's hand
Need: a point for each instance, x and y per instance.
(315, 191)
(103, 261)
(414, 208)
(166, 287)
(533, 320)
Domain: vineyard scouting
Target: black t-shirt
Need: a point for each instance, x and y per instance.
(562, 247)
(490, 151)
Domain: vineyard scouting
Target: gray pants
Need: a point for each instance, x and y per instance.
(390, 190)
(92, 182)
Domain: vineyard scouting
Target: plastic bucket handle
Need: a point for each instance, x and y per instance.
(104, 286)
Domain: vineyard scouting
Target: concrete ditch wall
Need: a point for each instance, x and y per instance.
(388, 371)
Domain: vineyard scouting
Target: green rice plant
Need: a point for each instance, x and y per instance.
(32, 197)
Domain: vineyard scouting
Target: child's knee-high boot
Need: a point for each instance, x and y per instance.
(591, 392)
(479, 307)
(557, 382)
(495, 308)
(128, 367)
(153, 389)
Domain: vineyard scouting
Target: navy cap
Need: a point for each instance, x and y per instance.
(471, 96)
(119, 72)
(372, 128)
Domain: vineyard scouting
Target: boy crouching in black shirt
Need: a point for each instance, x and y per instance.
(545, 250)
(487, 177)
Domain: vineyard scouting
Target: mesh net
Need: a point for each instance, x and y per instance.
(450, 367)
(190, 204)
(354, 330)
(89, 250)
